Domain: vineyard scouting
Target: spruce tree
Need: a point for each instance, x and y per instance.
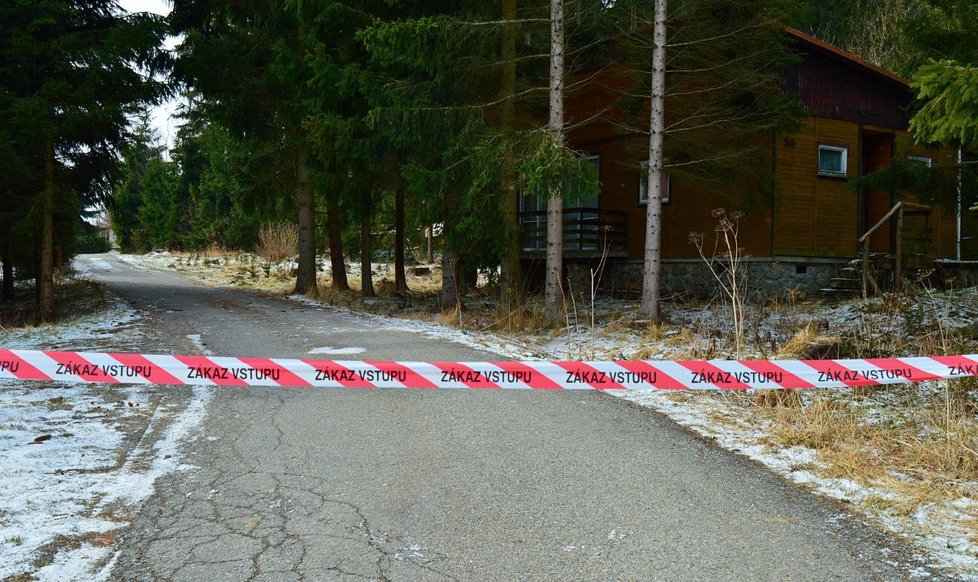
(249, 61)
(705, 105)
(72, 73)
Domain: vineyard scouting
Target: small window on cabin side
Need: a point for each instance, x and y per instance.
(920, 160)
(643, 185)
(832, 160)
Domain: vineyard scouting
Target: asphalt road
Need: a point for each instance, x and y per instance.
(300, 484)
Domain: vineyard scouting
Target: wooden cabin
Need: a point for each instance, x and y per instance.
(802, 238)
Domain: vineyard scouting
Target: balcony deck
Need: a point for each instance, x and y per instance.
(588, 233)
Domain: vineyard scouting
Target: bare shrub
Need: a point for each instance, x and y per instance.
(212, 250)
(277, 241)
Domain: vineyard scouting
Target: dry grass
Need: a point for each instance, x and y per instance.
(690, 344)
(654, 332)
(806, 343)
(527, 316)
(923, 447)
(213, 250)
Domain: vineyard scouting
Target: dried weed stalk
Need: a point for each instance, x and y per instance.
(726, 263)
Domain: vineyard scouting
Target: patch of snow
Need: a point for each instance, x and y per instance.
(133, 485)
(100, 264)
(199, 344)
(486, 342)
(337, 351)
(73, 565)
(85, 479)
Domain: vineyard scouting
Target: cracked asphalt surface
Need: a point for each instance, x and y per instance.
(299, 484)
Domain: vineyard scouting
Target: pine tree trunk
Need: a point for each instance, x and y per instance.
(305, 280)
(45, 281)
(400, 278)
(553, 296)
(366, 249)
(336, 259)
(6, 256)
(653, 212)
(450, 281)
(511, 277)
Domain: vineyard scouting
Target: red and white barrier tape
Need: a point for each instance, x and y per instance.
(84, 367)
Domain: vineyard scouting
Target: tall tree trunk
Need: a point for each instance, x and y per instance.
(336, 258)
(450, 297)
(511, 278)
(37, 269)
(6, 256)
(305, 280)
(653, 212)
(45, 274)
(366, 249)
(400, 278)
(553, 297)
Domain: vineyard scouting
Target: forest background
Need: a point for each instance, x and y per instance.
(364, 124)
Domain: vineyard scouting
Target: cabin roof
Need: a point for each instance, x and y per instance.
(837, 53)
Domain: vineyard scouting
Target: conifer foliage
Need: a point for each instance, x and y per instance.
(363, 121)
(72, 72)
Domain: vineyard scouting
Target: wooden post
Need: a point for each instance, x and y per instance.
(898, 253)
(865, 269)
(45, 271)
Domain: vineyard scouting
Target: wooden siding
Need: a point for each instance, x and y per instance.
(943, 223)
(815, 215)
(877, 152)
(593, 110)
(689, 208)
(934, 235)
(833, 87)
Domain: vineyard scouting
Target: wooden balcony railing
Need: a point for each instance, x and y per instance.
(587, 232)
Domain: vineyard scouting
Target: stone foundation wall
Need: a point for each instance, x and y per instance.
(766, 278)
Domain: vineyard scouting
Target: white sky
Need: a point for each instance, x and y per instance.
(162, 116)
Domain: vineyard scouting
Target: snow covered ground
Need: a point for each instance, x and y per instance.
(77, 460)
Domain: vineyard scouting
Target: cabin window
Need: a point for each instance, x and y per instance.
(643, 185)
(920, 160)
(832, 160)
